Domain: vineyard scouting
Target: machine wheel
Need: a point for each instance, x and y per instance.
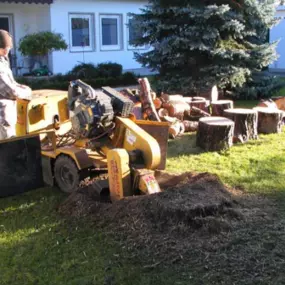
(66, 174)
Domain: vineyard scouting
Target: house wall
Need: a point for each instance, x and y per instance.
(278, 33)
(27, 18)
(64, 61)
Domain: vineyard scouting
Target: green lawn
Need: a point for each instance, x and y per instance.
(38, 246)
(248, 104)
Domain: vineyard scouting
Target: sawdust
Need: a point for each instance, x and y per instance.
(195, 212)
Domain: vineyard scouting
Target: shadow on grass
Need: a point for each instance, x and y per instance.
(184, 145)
(38, 246)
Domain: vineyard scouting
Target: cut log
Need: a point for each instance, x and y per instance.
(201, 104)
(219, 106)
(198, 98)
(162, 113)
(148, 107)
(267, 103)
(177, 109)
(166, 97)
(187, 100)
(190, 126)
(176, 129)
(245, 124)
(269, 120)
(196, 112)
(157, 103)
(280, 102)
(215, 133)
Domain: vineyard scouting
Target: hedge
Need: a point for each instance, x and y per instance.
(61, 82)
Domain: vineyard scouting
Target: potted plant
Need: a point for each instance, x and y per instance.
(39, 45)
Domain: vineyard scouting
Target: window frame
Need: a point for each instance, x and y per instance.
(119, 18)
(131, 47)
(91, 18)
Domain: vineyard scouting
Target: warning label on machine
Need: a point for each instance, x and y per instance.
(131, 138)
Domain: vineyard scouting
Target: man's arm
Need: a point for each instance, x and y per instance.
(10, 90)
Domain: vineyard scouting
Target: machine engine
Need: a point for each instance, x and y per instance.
(91, 112)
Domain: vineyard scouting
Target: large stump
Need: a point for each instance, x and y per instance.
(219, 106)
(215, 133)
(269, 120)
(245, 124)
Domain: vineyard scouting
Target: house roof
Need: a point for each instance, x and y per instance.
(28, 1)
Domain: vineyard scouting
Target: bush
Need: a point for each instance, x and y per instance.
(110, 69)
(40, 44)
(84, 70)
(102, 70)
(61, 82)
(262, 86)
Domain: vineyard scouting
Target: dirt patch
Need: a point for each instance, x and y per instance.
(194, 212)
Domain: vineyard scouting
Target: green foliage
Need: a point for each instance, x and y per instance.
(197, 44)
(61, 82)
(41, 43)
(259, 86)
(110, 69)
(84, 70)
(102, 70)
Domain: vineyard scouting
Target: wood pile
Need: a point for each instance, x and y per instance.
(207, 115)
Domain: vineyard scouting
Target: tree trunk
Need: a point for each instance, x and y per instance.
(245, 124)
(219, 106)
(146, 98)
(269, 120)
(198, 112)
(177, 109)
(215, 133)
(176, 129)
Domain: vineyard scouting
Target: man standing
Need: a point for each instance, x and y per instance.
(10, 90)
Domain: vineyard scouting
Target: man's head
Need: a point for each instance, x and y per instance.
(6, 43)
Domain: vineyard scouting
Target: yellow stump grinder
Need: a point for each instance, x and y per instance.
(64, 138)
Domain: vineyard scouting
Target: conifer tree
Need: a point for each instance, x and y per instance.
(196, 44)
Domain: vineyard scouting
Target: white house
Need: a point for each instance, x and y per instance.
(278, 33)
(95, 30)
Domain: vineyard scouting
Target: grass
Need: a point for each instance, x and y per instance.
(281, 92)
(248, 104)
(257, 166)
(38, 246)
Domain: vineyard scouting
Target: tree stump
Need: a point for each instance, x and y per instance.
(215, 133)
(245, 124)
(219, 106)
(269, 120)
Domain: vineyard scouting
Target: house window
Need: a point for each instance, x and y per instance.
(81, 32)
(133, 34)
(111, 32)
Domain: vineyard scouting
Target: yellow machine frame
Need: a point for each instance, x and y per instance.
(47, 114)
